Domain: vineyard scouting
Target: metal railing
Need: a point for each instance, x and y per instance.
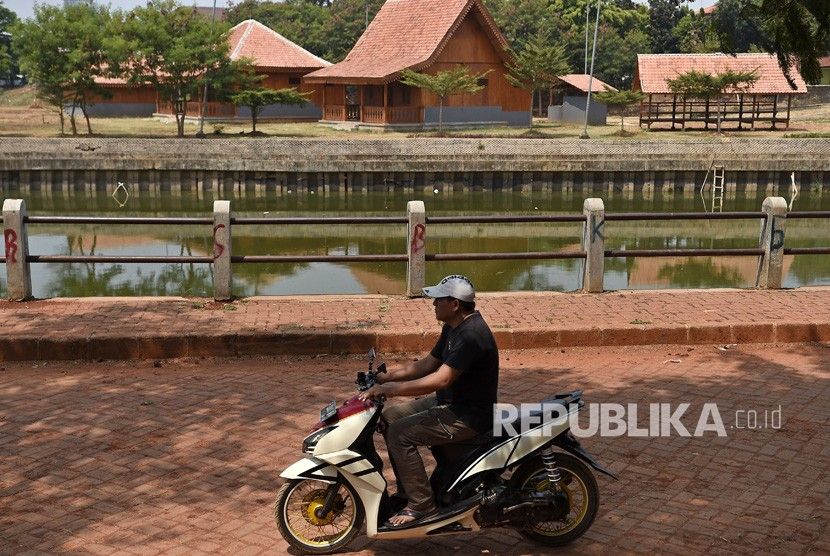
(770, 250)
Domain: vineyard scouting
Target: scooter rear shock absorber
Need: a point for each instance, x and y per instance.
(549, 459)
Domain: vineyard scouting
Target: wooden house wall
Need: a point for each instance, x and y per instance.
(283, 80)
(471, 46)
(143, 94)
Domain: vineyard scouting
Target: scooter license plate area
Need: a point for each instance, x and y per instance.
(329, 411)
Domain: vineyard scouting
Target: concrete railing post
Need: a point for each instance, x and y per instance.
(593, 243)
(222, 277)
(771, 273)
(416, 248)
(18, 276)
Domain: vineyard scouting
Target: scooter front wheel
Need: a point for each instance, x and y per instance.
(299, 517)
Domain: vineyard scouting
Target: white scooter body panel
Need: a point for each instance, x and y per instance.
(345, 434)
(515, 448)
(303, 470)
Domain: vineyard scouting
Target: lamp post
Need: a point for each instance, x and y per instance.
(591, 75)
(205, 91)
(587, 22)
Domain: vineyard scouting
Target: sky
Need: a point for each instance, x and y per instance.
(25, 8)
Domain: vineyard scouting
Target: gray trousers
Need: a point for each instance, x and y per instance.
(419, 422)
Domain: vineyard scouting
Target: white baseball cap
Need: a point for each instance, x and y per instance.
(455, 285)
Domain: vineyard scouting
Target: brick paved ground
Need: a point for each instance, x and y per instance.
(125, 328)
(183, 456)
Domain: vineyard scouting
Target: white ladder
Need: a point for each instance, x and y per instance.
(718, 181)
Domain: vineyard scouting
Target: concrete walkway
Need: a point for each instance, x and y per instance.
(155, 328)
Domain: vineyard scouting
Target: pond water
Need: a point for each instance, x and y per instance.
(69, 280)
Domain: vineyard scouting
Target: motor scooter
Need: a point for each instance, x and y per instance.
(538, 484)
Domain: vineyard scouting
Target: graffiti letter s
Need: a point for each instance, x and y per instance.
(218, 248)
(11, 245)
(418, 240)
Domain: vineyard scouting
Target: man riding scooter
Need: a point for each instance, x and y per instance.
(462, 371)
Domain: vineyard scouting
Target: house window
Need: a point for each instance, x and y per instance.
(294, 81)
(483, 82)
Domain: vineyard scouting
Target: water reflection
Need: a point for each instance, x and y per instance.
(62, 280)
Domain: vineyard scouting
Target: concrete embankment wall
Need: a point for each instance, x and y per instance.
(409, 164)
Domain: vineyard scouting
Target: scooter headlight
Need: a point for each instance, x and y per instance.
(310, 441)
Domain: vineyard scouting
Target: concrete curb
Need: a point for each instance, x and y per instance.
(356, 342)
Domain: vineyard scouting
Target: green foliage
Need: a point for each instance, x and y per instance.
(257, 99)
(174, 49)
(617, 55)
(663, 17)
(703, 85)
(63, 50)
(537, 66)
(798, 30)
(620, 99)
(737, 27)
(694, 34)
(7, 61)
(346, 22)
(443, 84)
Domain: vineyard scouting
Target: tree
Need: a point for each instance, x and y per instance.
(620, 99)
(345, 24)
(737, 28)
(7, 60)
(705, 86)
(175, 49)
(619, 55)
(663, 17)
(64, 51)
(799, 32)
(537, 67)
(257, 99)
(694, 33)
(443, 84)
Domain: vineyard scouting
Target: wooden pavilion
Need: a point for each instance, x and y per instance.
(767, 101)
(427, 36)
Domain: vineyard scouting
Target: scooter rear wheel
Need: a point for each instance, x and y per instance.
(302, 526)
(579, 486)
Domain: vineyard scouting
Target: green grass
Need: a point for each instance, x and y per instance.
(814, 135)
(20, 96)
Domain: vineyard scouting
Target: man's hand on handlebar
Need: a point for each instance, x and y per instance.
(377, 392)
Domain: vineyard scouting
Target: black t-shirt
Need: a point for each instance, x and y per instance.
(471, 349)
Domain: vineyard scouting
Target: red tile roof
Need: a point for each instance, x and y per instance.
(580, 81)
(407, 34)
(268, 49)
(653, 70)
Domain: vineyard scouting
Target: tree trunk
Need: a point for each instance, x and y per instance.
(86, 117)
(63, 123)
(720, 111)
(441, 115)
(72, 117)
(254, 111)
(532, 95)
(622, 120)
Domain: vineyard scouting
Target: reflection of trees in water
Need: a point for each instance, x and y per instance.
(91, 279)
(86, 279)
(695, 273)
(812, 269)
